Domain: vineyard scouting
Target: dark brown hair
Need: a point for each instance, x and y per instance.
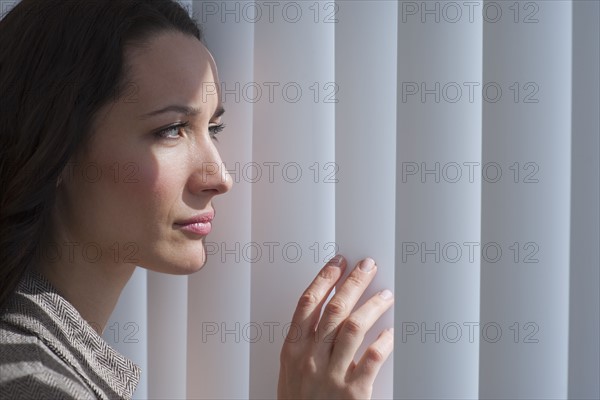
(60, 62)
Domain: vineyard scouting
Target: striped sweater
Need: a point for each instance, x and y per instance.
(48, 351)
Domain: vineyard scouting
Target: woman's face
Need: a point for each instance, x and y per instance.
(128, 194)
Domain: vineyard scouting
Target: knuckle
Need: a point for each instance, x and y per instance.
(353, 326)
(354, 280)
(375, 355)
(328, 273)
(336, 307)
(308, 366)
(308, 300)
(331, 337)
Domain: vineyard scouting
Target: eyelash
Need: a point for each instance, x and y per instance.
(213, 130)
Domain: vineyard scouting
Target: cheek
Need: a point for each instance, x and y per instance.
(160, 182)
(154, 196)
(130, 193)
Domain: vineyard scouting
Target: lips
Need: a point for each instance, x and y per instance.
(197, 219)
(198, 225)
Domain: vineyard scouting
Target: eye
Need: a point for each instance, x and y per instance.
(215, 129)
(171, 132)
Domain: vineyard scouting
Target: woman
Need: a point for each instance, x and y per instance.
(107, 123)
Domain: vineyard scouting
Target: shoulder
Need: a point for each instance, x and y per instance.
(30, 370)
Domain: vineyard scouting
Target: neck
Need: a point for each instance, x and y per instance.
(93, 288)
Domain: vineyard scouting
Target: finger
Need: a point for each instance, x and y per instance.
(376, 354)
(344, 300)
(311, 302)
(352, 331)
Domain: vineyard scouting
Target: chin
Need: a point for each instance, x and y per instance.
(179, 266)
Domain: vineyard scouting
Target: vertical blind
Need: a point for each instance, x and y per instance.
(456, 143)
(439, 138)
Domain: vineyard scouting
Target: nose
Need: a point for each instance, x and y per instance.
(210, 175)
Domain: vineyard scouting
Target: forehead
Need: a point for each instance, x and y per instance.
(173, 66)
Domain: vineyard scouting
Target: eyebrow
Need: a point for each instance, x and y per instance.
(186, 110)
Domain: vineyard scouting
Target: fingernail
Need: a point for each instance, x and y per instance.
(386, 294)
(391, 330)
(336, 261)
(367, 264)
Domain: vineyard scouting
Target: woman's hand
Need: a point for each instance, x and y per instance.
(317, 358)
